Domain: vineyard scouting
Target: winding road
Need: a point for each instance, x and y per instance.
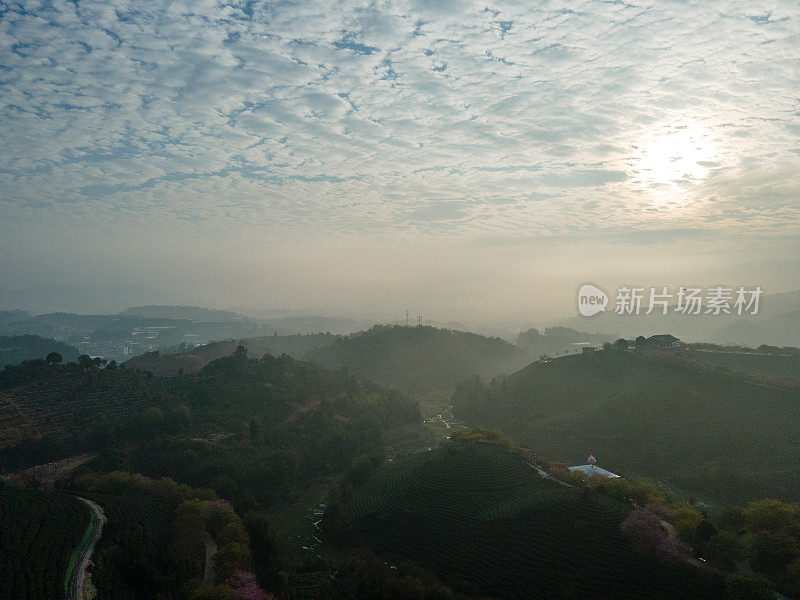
(79, 571)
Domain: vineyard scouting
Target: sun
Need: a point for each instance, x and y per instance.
(676, 156)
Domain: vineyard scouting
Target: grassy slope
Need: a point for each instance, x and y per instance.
(488, 524)
(711, 433)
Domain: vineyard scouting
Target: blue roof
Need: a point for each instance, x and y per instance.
(591, 470)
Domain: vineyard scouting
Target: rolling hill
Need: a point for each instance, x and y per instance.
(413, 359)
(711, 433)
(486, 522)
(16, 348)
(419, 359)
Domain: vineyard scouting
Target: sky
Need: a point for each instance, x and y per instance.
(468, 160)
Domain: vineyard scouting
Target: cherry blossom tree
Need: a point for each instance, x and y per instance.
(246, 587)
(643, 527)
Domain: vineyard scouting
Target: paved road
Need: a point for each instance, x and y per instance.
(78, 573)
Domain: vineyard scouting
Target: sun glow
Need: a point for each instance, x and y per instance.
(678, 157)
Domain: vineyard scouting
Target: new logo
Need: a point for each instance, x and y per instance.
(591, 300)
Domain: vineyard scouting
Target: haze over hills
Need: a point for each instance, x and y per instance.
(171, 328)
(560, 340)
(188, 313)
(414, 359)
(149, 328)
(777, 323)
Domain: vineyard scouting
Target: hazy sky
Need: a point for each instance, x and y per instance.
(466, 159)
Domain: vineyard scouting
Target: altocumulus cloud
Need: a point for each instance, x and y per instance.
(426, 117)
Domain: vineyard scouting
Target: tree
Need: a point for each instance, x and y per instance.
(724, 550)
(577, 478)
(54, 358)
(246, 587)
(685, 519)
(265, 552)
(645, 533)
(732, 519)
(204, 591)
(771, 515)
(740, 586)
(641, 342)
(232, 557)
(85, 362)
(152, 416)
(621, 344)
(772, 552)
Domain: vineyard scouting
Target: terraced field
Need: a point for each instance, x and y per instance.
(39, 533)
(133, 559)
(489, 524)
(67, 405)
(747, 364)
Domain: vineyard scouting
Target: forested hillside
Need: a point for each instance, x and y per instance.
(294, 422)
(291, 420)
(419, 359)
(257, 432)
(712, 433)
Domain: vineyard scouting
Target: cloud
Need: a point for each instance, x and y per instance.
(405, 118)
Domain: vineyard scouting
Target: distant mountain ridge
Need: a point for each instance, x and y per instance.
(192, 361)
(9, 316)
(142, 329)
(16, 348)
(178, 312)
